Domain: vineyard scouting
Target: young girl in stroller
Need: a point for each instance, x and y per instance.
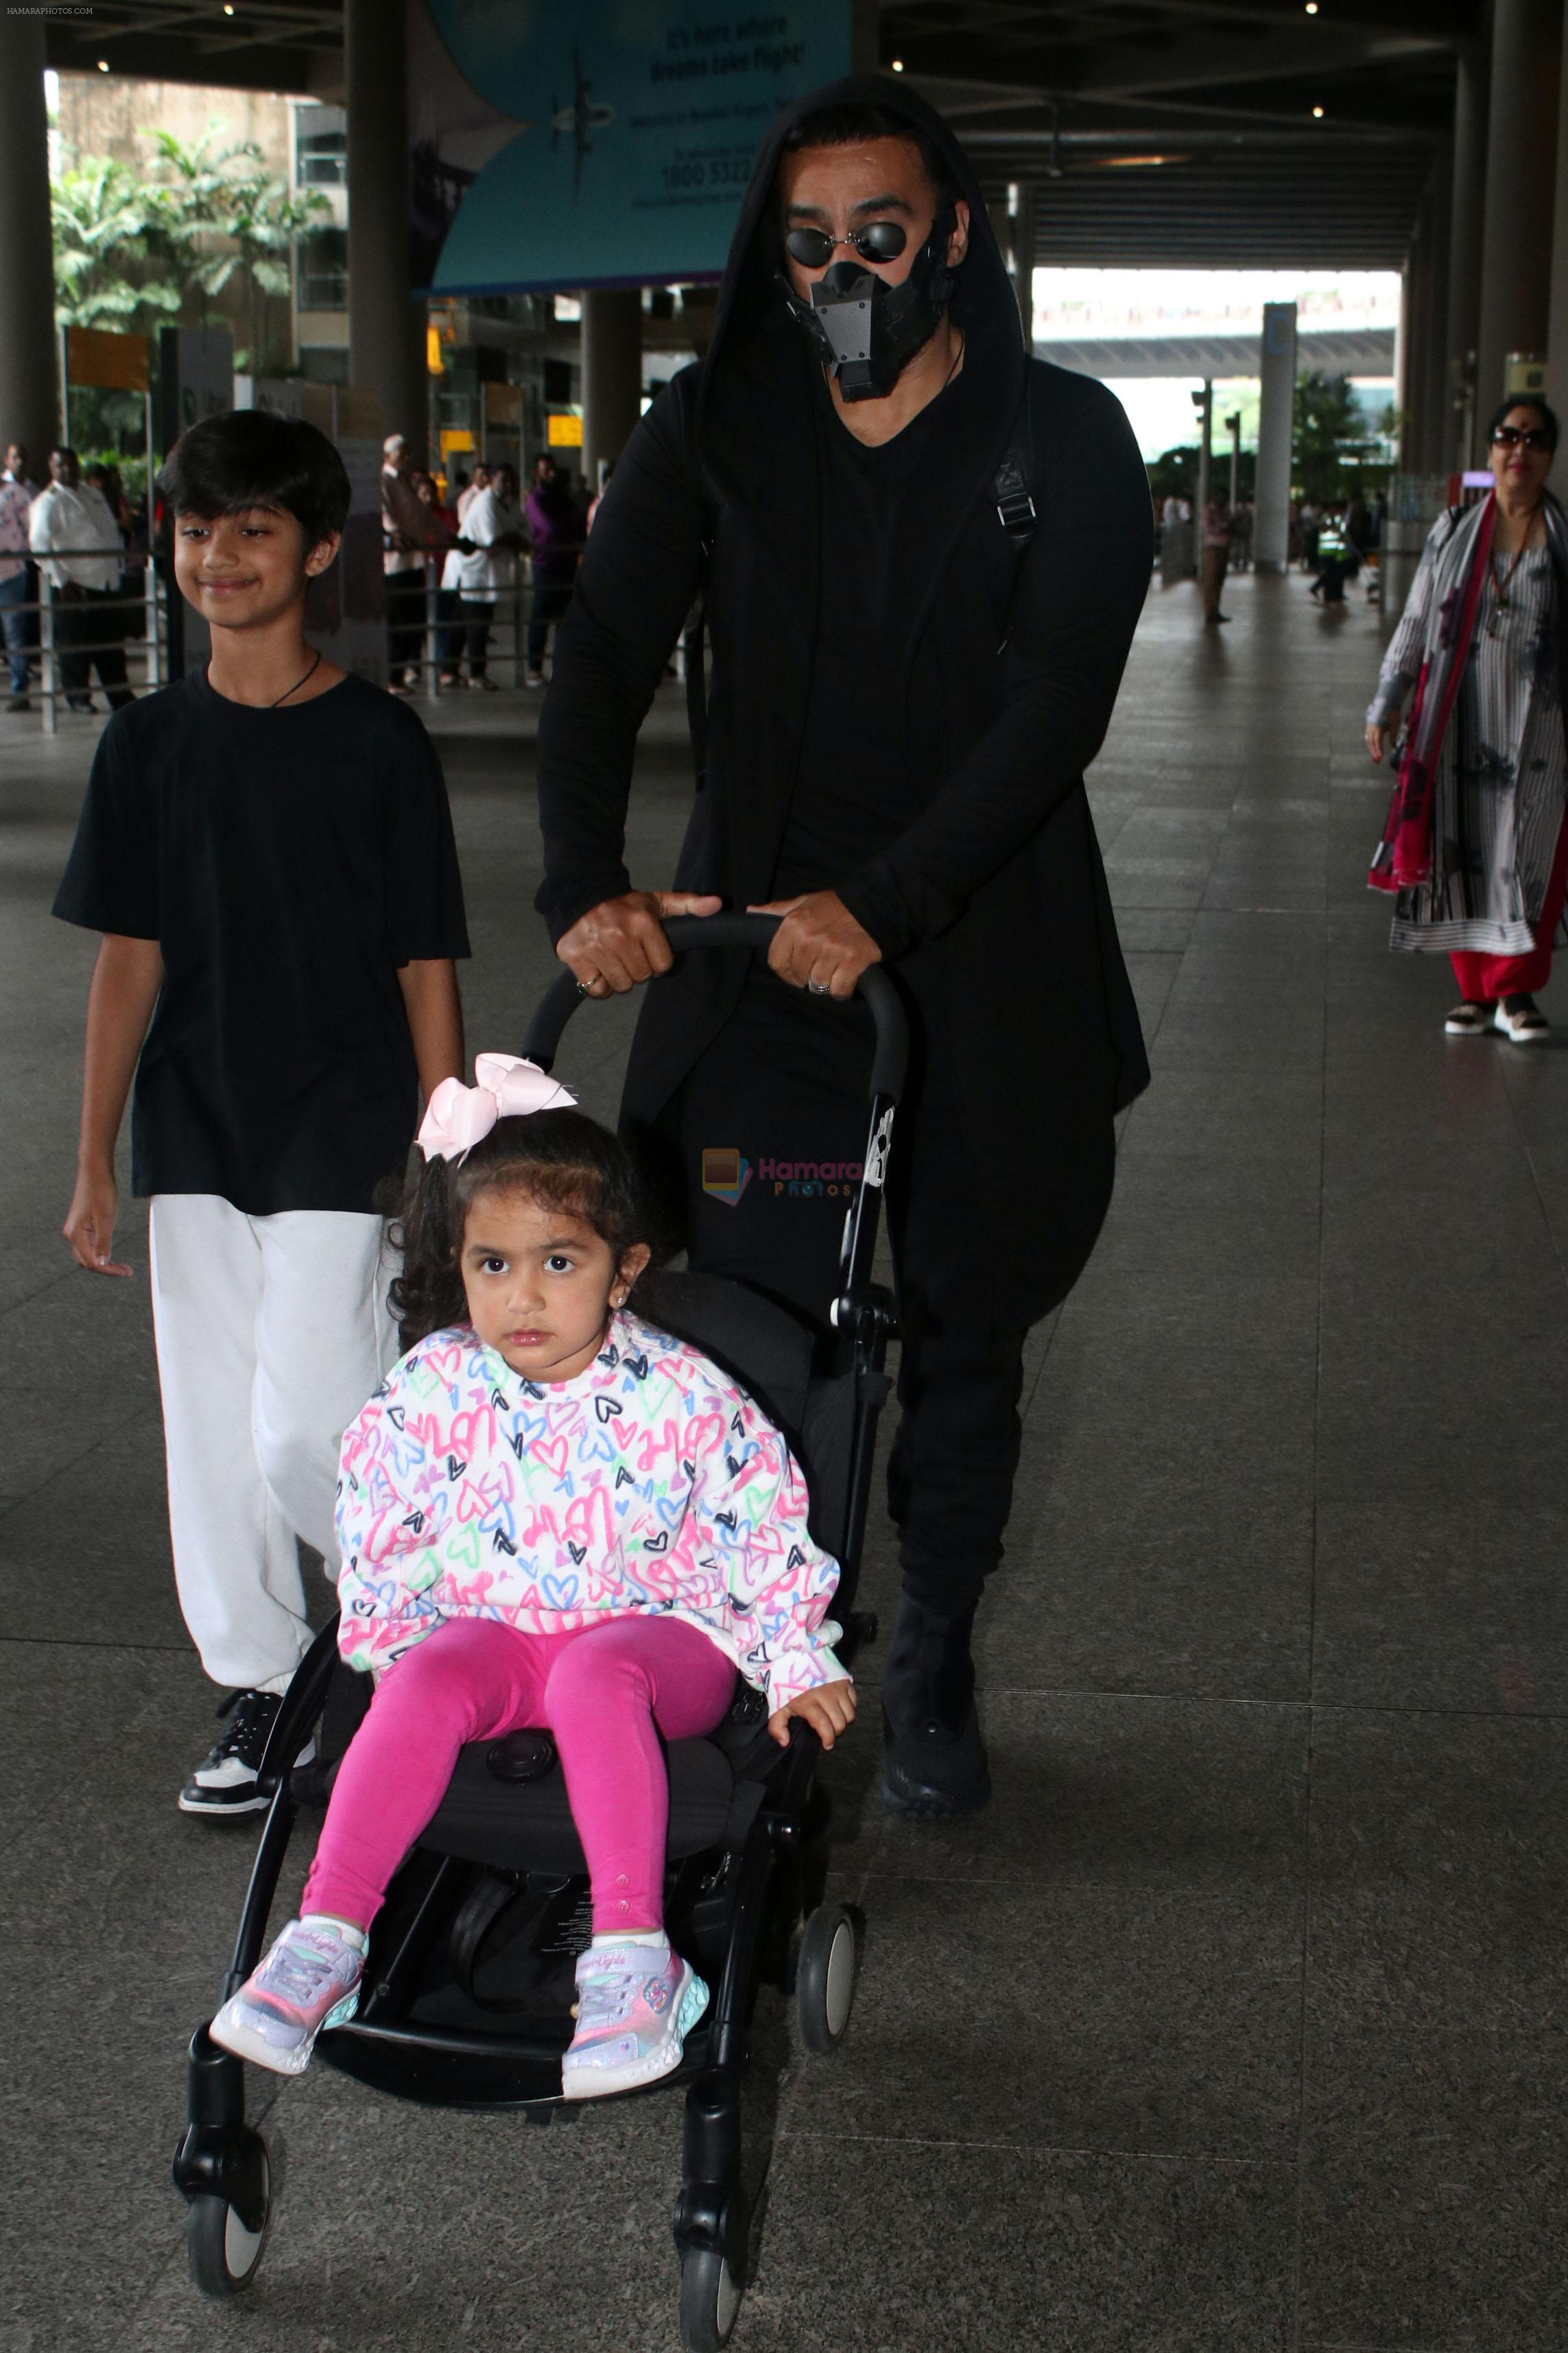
(552, 1514)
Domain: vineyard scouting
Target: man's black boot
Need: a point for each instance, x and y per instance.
(933, 1760)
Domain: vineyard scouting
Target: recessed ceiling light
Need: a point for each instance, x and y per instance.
(1311, 8)
(1317, 114)
(229, 11)
(103, 65)
(898, 65)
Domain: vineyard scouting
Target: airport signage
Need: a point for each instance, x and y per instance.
(605, 144)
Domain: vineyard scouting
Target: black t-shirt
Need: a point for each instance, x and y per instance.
(287, 862)
(851, 795)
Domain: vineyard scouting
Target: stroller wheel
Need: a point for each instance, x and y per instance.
(223, 2251)
(709, 2300)
(825, 1978)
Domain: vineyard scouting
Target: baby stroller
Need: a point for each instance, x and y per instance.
(469, 1975)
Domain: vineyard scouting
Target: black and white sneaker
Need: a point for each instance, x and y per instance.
(1520, 1018)
(224, 1782)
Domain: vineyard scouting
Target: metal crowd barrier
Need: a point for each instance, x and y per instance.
(509, 626)
(52, 652)
(507, 648)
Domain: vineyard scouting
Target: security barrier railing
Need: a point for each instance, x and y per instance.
(64, 653)
(448, 617)
(443, 655)
(66, 650)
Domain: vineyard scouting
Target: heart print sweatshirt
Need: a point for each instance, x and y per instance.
(649, 1483)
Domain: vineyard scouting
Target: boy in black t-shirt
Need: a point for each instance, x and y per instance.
(267, 850)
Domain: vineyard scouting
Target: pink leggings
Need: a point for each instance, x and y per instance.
(601, 1690)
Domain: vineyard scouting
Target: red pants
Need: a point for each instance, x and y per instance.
(1483, 978)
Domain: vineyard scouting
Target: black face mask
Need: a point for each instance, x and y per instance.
(867, 332)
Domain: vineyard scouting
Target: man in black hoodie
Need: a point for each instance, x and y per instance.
(922, 557)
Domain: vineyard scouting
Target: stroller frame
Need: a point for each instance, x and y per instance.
(739, 1909)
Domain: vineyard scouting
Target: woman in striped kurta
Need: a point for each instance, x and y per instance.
(1476, 847)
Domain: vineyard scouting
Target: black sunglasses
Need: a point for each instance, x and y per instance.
(1510, 437)
(881, 240)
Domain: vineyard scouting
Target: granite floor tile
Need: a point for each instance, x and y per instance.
(108, 1563)
(1439, 1855)
(1055, 2252)
(1437, 1601)
(1432, 2192)
(1138, 2021)
(1123, 1791)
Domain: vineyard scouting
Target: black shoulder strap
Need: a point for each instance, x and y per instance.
(1015, 501)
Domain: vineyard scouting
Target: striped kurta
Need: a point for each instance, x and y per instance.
(1503, 769)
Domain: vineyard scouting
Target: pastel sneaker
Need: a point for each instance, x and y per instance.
(310, 1980)
(636, 2006)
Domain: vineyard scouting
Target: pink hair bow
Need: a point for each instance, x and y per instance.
(458, 1117)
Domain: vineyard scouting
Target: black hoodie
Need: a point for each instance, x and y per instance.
(991, 905)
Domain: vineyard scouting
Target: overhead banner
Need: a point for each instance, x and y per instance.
(605, 144)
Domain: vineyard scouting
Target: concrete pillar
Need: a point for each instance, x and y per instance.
(1431, 396)
(1276, 435)
(612, 374)
(1521, 155)
(1470, 177)
(1023, 260)
(1420, 392)
(30, 372)
(1557, 314)
(387, 326)
(1001, 229)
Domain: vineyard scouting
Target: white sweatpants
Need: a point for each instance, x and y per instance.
(271, 1332)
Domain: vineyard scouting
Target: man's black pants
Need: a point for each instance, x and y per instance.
(405, 619)
(551, 598)
(784, 1085)
(89, 619)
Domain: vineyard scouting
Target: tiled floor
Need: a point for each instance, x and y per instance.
(1237, 2025)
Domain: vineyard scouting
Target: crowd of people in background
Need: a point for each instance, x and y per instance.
(1331, 543)
(481, 531)
(77, 532)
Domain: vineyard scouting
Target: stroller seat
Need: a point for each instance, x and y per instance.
(506, 1805)
(466, 2001)
(529, 1828)
(520, 1820)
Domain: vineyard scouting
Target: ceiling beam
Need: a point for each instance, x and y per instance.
(176, 58)
(1118, 69)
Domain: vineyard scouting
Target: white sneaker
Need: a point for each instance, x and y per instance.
(1520, 1018)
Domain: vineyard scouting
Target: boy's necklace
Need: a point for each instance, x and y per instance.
(298, 682)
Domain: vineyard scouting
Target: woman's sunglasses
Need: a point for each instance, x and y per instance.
(881, 240)
(1513, 436)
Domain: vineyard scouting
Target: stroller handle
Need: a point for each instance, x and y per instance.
(738, 931)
